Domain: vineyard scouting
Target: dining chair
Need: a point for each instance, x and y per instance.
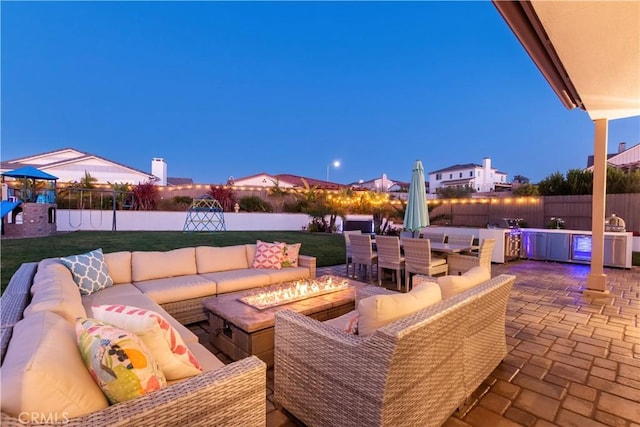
(418, 260)
(459, 263)
(461, 239)
(434, 237)
(389, 258)
(347, 246)
(406, 233)
(362, 254)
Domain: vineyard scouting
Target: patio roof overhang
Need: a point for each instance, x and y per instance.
(589, 52)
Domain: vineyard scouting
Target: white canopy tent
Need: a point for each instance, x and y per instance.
(589, 52)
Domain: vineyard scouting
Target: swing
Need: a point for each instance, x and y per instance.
(91, 210)
(79, 209)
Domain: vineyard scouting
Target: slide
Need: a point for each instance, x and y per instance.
(8, 206)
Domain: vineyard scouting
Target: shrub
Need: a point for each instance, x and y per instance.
(254, 204)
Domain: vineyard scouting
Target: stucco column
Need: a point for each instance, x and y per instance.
(596, 281)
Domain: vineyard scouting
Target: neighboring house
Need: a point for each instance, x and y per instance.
(626, 158)
(283, 180)
(69, 164)
(382, 184)
(482, 178)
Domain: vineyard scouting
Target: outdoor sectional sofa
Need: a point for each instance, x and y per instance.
(43, 376)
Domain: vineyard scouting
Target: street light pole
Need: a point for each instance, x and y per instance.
(335, 164)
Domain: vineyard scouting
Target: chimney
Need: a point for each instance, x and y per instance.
(159, 169)
(486, 164)
(621, 147)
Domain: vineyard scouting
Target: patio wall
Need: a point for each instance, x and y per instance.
(574, 210)
(94, 220)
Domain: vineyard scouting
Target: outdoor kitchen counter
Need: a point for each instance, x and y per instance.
(551, 244)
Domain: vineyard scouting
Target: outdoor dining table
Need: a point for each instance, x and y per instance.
(449, 248)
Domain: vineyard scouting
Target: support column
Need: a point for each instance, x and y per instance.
(596, 281)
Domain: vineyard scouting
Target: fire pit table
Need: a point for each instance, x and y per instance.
(238, 329)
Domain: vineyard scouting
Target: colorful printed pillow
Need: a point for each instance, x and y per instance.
(89, 271)
(165, 343)
(348, 322)
(290, 254)
(119, 362)
(268, 255)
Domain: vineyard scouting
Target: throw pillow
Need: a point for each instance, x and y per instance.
(118, 361)
(453, 285)
(165, 343)
(348, 322)
(290, 254)
(268, 255)
(379, 310)
(89, 271)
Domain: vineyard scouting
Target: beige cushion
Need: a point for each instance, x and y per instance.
(239, 280)
(210, 259)
(206, 359)
(453, 285)
(43, 371)
(172, 289)
(54, 290)
(138, 300)
(119, 265)
(208, 362)
(155, 265)
(379, 310)
(287, 274)
(348, 322)
(251, 252)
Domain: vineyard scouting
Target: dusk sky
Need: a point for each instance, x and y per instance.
(222, 89)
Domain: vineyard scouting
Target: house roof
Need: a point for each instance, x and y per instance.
(81, 155)
(614, 155)
(179, 181)
(295, 180)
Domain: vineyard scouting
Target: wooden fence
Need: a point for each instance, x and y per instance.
(536, 212)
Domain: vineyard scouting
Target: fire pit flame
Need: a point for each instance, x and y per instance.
(294, 291)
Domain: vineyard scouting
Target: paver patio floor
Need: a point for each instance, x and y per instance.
(573, 360)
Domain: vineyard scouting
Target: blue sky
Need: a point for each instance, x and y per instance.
(222, 89)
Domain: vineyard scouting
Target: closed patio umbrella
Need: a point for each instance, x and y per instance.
(417, 215)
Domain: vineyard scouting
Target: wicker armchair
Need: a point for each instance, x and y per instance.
(418, 260)
(362, 254)
(389, 257)
(459, 264)
(413, 372)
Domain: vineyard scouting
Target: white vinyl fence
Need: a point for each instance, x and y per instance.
(96, 220)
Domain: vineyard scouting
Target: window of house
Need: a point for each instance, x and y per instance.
(460, 176)
(450, 176)
(470, 173)
(438, 176)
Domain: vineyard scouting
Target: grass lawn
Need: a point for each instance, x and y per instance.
(327, 248)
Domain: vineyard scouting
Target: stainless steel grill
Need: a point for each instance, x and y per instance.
(614, 223)
(512, 239)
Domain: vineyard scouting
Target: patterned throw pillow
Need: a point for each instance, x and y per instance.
(118, 361)
(290, 254)
(164, 342)
(268, 255)
(89, 271)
